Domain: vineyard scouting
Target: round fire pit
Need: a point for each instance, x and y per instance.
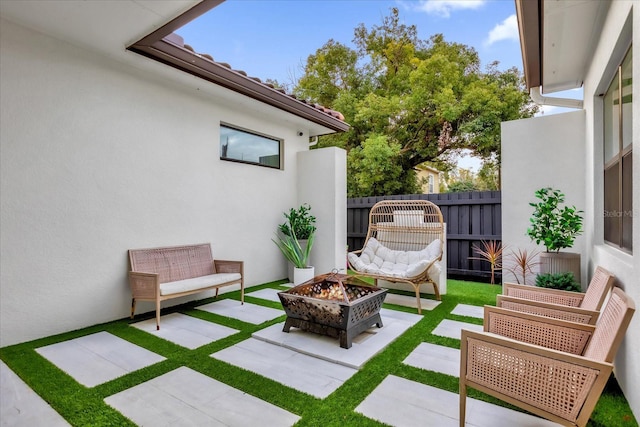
(333, 304)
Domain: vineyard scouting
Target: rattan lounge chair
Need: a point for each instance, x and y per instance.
(404, 244)
(572, 306)
(560, 380)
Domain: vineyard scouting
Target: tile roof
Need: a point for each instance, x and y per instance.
(179, 41)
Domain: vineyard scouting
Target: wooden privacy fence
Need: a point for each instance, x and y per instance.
(470, 217)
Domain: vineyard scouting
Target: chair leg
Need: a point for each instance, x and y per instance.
(436, 291)
(463, 403)
(417, 288)
(157, 315)
(133, 306)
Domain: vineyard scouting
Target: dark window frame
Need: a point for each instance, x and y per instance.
(617, 173)
(265, 164)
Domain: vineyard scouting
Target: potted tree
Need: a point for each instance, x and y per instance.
(556, 227)
(295, 240)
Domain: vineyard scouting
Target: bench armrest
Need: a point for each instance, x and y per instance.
(225, 266)
(144, 285)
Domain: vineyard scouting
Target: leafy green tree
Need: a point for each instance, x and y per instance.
(429, 98)
(371, 167)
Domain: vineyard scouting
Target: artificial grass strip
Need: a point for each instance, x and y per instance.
(82, 406)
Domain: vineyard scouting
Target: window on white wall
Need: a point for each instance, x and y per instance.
(247, 147)
(618, 125)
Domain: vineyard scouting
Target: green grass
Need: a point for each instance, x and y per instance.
(82, 406)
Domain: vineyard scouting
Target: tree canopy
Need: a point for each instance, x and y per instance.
(409, 101)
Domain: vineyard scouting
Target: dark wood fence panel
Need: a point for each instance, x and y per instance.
(471, 218)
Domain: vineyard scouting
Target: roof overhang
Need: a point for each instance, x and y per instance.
(557, 39)
(110, 27)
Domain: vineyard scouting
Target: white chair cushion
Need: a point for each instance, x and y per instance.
(197, 283)
(378, 259)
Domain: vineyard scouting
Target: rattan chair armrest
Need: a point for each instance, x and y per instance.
(556, 296)
(570, 337)
(558, 311)
(144, 285)
(227, 266)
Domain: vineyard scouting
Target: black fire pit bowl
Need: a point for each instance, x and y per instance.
(336, 305)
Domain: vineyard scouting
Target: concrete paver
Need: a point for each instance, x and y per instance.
(404, 403)
(247, 312)
(98, 358)
(185, 397)
(452, 328)
(186, 331)
(20, 406)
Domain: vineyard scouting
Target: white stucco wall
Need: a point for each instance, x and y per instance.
(621, 27)
(322, 183)
(98, 157)
(546, 151)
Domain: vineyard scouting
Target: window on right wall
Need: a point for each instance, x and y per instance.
(618, 135)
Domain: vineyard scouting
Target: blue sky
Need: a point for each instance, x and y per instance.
(273, 38)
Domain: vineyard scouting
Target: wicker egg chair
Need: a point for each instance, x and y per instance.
(404, 244)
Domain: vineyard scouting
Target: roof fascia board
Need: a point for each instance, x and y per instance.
(154, 46)
(529, 13)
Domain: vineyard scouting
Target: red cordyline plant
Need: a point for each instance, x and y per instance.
(522, 263)
(491, 252)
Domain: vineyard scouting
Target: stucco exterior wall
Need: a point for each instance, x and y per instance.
(322, 183)
(621, 28)
(98, 157)
(546, 151)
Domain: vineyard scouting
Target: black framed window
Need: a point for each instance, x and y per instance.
(247, 147)
(618, 172)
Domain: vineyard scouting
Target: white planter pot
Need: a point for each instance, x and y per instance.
(290, 267)
(301, 275)
(560, 262)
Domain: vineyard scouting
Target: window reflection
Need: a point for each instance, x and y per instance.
(246, 147)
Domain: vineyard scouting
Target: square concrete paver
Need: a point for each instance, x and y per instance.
(185, 397)
(302, 372)
(20, 406)
(364, 346)
(410, 301)
(98, 358)
(469, 311)
(250, 313)
(404, 403)
(437, 358)
(267, 293)
(452, 328)
(187, 331)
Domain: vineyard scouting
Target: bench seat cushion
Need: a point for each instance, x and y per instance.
(196, 283)
(380, 260)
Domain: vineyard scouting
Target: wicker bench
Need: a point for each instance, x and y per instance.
(158, 274)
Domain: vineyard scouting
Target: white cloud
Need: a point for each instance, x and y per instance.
(444, 8)
(506, 30)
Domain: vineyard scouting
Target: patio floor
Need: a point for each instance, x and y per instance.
(306, 362)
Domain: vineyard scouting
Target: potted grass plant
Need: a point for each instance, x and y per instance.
(555, 226)
(295, 239)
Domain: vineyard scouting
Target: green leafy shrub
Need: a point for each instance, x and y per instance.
(554, 226)
(563, 281)
(301, 221)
